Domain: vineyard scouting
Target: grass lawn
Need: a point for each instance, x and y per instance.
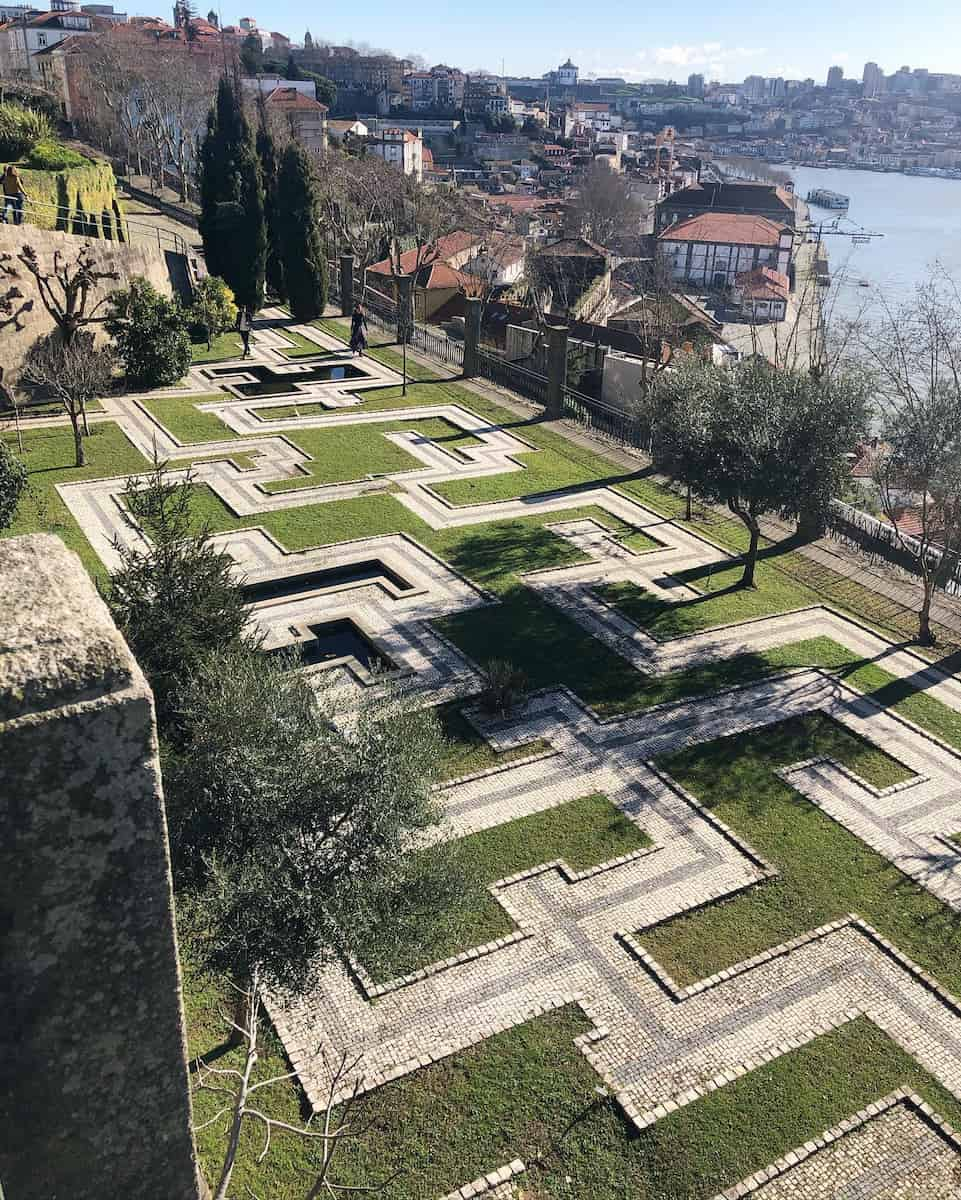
(313, 408)
(529, 1093)
(300, 346)
(467, 752)
(723, 603)
(583, 832)
(222, 347)
(180, 416)
(345, 452)
(824, 871)
(49, 459)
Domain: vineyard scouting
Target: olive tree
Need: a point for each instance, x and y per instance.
(13, 481)
(295, 826)
(757, 439)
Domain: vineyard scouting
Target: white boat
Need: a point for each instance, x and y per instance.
(825, 198)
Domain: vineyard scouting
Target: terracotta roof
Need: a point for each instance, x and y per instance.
(575, 248)
(444, 249)
(290, 98)
(736, 229)
(763, 283)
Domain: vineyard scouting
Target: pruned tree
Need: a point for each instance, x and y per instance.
(68, 288)
(74, 373)
(295, 827)
(755, 438)
(13, 306)
(174, 596)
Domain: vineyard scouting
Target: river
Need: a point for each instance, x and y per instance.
(921, 222)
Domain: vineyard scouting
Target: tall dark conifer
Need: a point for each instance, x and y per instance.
(232, 199)
(301, 246)
(267, 154)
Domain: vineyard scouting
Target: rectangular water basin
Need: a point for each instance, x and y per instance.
(371, 570)
(341, 641)
(285, 383)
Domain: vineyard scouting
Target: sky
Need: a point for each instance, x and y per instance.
(722, 39)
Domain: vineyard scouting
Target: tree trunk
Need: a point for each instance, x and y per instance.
(86, 427)
(78, 440)
(747, 579)
(925, 635)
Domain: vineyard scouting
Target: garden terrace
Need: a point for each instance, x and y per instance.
(712, 853)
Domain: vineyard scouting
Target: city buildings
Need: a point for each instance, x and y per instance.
(713, 249)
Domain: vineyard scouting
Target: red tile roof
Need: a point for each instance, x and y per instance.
(736, 229)
(445, 248)
(290, 98)
(763, 283)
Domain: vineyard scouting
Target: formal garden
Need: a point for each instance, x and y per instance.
(663, 795)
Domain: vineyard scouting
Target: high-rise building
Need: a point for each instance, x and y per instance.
(695, 85)
(752, 88)
(835, 78)
(871, 80)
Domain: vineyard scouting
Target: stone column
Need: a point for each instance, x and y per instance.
(556, 369)
(405, 316)
(472, 332)
(346, 284)
(94, 1100)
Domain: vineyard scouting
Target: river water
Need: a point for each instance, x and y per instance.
(921, 222)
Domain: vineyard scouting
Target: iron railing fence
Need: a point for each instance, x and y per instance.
(879, 541)
(511, 376)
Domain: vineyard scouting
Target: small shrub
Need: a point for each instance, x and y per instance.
(13, 480)
(51, 155)
(151, 335)
(21, 129)
(505, 687)
(213, 310)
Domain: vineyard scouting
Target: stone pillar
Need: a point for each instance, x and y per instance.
(346, 284)
(472, 332)
(94, 1100)
(556, 369)
(405, 315)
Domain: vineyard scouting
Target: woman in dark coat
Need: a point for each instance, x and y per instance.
(358, 329)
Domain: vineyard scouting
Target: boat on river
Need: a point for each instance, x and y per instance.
(825, 198)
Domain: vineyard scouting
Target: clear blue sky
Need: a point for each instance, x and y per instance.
(725, 39)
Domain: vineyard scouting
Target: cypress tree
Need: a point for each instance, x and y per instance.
(301, 247)
(232, 200)
(267, 154)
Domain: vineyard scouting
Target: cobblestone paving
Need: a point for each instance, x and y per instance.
(656, 1045)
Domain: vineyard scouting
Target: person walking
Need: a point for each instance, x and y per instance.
(243, 328)
(14, 194)
(358, 329)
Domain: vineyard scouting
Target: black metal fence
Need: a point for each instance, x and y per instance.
(510, 375)
(603, 418)
(880, 542)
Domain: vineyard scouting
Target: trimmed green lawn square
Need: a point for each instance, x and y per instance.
(300, 346)
(824, 871)
(281, 412)
(181, 417)
(224, 346)
(583, 832)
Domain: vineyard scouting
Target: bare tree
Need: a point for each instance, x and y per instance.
(916, 351)
(67, 289)
(605, 208)
(112, 65)
(74, 373)
(176, 91)
(241, 1106)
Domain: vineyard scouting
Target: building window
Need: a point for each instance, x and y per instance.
(41, 40)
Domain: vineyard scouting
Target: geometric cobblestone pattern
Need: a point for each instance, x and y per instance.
(578, 937)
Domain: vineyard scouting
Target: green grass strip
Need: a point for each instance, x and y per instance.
(824, 871)
(583, 832)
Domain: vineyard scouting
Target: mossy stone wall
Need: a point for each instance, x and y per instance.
(76, 200)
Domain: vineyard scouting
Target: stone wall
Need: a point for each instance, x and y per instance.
(127, 260)
(94, 1101)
